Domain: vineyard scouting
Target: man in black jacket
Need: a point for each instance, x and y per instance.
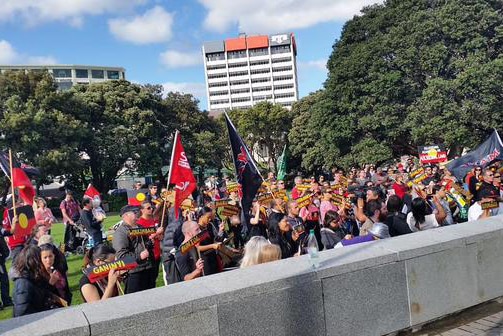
(396, 219)
(173, 237)
(90, 223)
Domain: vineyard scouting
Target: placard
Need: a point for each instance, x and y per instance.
(304, 201)
(96, 273)
(138, 232)
(432, 154)
(185, 247)
(232, 187)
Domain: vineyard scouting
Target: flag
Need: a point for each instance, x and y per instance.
(92, 192)
(136, 197)
(247, 174)
(26, 220)
(282, 164)
(19, 177)
(180, 174)
(482, 156)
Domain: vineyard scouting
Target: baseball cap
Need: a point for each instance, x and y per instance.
(129, 208)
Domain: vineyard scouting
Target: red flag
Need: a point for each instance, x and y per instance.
(180, 173)
(92, 192)
(23, 183)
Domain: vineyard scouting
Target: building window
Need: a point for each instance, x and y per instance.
(281, 78)
(220, 84)
(81, 73)
(285, 95)
(280, 60)
(260, 98)
(215, 56)
(240, 91)
(263, 88)
(260, 71)
(220, 75)
(62, 73)
(123, 75)
(238, 73)
(64, 85)
(285, 68)
(99, 74)
(113, 74)
(259, 52)
(259, 62)
(238, 65)
(240, 100)
(236, 54)
(219, 93)
(219, 101)
(216, 67)
(283, 87)
(280, 49)
(239, 82)
(261, 80)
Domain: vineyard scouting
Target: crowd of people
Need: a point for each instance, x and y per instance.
(340, 209)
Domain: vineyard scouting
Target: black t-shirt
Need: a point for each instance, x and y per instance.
(186, 263)
(84, 280)
(397, 224)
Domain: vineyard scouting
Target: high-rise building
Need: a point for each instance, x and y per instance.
(68, 75)
(243, 71)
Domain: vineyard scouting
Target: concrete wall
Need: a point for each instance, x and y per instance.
(368, 289)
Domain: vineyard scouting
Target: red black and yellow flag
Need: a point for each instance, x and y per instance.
(25, 220)
(136, 197)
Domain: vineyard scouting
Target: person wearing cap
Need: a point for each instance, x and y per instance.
(483, 195)
(378, 231)
(126, 246)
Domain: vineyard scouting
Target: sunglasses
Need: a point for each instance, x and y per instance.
(148, 208)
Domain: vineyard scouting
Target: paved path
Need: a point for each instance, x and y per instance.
(486, 319)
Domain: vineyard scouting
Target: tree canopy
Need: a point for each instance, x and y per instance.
(403, 74)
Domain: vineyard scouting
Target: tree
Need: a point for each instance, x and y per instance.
(409, 73)
(265, 124)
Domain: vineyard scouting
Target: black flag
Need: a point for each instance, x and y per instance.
(247, 174)
(482, 156)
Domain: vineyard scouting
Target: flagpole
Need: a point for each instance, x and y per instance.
(169, 178)
(13, 197)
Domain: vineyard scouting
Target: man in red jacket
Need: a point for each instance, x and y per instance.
(147, 220)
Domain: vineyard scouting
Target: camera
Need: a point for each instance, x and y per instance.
(299, 228)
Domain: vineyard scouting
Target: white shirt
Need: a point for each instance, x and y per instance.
(430, 222)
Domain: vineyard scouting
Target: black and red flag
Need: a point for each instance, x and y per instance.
(25, 220)
(180, 174)
(19, 177)
(247, 174)
(136, 197)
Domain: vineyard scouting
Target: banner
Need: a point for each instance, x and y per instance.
(482, 156)
(180, 174)
(26, 220)
(138, 232)
(432, 154)
(265, 199)
(194, 241)
(232, 187)
(136, 197)
(280, 194)
(304, 201)
(96, 273)
(282, 160)
(247, 173)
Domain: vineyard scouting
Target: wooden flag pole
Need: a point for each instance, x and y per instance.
(13, 197)
(169, 178)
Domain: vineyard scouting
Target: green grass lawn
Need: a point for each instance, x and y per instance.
(74, 265)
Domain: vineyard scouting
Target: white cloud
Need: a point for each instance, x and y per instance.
(9, 56)
(198, 90)
(179, 59)
(266, 16)
(152, 27)
(34, 12)
(320, 64)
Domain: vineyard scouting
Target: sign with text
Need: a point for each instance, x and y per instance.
(304, 201)
(194, 241)
(432, 154)
(96, 273)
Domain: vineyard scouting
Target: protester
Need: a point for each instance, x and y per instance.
(133, 246)
(92, 226)
(32, 291)
(152, 196)
(285, 238)
(147, 220)
(296, 193)
(396, 220)
(38, 231)
(476, 212)
(258, 222)
(4, 278)
(377, 231)
(332, 231)
(102, 289)
(190, 265)
(252, 251)
(208, 247)
(399, 187)
(43, 215)
(419, 220)
(70, 210)
(326, 204)
(57, 276)
(173, 237)
(15, 242)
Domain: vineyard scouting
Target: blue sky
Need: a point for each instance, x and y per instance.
(159, 41)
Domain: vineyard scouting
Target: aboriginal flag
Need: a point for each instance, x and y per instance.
(247, 174)
(136, 197)
(26, 220)
(20, 179)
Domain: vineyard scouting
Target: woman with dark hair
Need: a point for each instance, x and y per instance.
(283, 236)
(57, 276)
(102, 289)
(32, 291)
(208, 247)
(419, 220)
(332, 231)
